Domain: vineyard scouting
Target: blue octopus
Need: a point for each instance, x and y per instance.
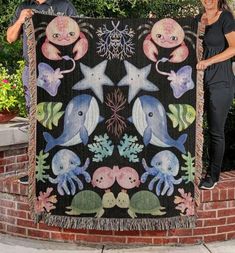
(66, 166)
(165, 166)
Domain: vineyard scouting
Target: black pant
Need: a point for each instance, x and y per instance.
(218, 99)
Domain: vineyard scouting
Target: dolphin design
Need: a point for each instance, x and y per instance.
(149, 118)
(81, 118)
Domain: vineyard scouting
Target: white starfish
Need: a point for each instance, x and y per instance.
(94, 79)
(136, 79)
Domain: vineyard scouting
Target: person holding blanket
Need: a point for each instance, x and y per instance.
(219, 80)
(23, 12)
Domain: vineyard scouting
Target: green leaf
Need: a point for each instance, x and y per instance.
(189, 168)
(41, 167)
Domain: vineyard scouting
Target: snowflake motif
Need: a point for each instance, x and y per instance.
(115, 43)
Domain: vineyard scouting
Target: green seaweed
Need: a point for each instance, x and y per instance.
(189, 169)
(102, 148)
(128, 148)
(41, 167)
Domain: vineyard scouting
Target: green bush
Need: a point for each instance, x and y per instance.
(11, 90)
(9, 53)
(136, 8)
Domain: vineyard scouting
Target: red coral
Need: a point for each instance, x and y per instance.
(116, 102)
(44, 202)
(184, 203)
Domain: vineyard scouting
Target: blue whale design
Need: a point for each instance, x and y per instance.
(149, 118)
(81, 118)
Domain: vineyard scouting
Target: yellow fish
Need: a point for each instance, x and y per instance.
(182, 115)
(48, 113)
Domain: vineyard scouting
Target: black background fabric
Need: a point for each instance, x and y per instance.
(116, 71)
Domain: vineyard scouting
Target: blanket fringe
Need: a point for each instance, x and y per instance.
(200, 110)
(29, 30)
(120, 224)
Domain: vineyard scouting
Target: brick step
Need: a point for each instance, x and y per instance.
(224, 190)
(216, 219)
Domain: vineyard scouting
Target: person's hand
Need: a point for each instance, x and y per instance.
(25, 14)
(202, 65)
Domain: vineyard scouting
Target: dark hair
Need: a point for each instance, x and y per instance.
(223, 5)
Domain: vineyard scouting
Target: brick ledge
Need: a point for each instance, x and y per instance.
(216, 219)
(13, 133)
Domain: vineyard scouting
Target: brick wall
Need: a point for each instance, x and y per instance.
(13, 159)
(216, 217)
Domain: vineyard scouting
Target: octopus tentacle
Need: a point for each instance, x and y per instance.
(144, 177)
(60, 189)
(72, 186)
(54, 180)
(171, 188)
(78, 181)
(79, 170)
(152, 182)
(87, 162)
(65, 187)
(159, 184)
(166, 186)
(176, 181)
(87, 176)
(76, 171)
(146, 167)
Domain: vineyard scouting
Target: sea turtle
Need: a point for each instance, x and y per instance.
(90, 202)
(143, 202)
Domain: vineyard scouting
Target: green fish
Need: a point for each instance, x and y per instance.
(48, 113)
(182, 115)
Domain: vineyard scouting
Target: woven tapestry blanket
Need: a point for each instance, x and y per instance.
(113, 122)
